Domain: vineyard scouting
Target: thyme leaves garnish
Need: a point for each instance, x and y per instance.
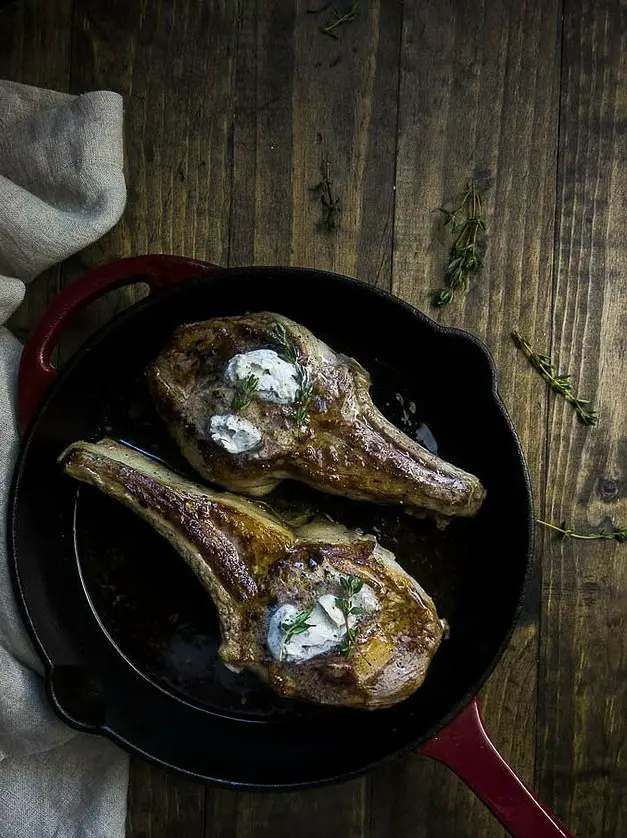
(350, 586)
(338, 19)
(616, 534)
(304, 395)
(465, 258)
(561, 384)
(289, 352)
(290, 628)
(244, 393)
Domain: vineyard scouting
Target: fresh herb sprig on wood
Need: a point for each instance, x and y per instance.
(616, 534)
(338, 19)
(465, 258)
(330, 202)
(244, 393)
(304, 394)
(350, 586)
(561, 384)
(290, 629)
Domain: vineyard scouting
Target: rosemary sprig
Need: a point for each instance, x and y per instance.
(339, 19)
(290, 629)
(465, 257)
(304, 394)
(244, 392)
(561, 384)
(330, 203)
(350, 586)
(617, 534)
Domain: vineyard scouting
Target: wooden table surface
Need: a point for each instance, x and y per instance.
(230, 108)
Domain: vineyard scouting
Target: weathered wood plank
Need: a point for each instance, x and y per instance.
(303, 98)
(35, 49)
(173, 64)
(479, 94)
(163, 806)
(582, 761)
(313, 99)
(318, 813)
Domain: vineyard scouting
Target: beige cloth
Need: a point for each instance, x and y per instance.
(61, 188)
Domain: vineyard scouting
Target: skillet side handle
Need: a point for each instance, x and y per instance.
(36, 372)
(465, 747)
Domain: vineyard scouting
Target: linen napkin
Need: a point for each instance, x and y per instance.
(61, 188)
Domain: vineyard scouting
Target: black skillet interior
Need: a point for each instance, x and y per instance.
(129, 636)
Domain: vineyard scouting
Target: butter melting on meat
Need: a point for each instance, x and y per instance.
(323, 429)
(253, 564)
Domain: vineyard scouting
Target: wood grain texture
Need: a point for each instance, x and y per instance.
(582, 723)
(303, 99)
(178, 106)
(162, 805)
(35, 44)
(479, 93)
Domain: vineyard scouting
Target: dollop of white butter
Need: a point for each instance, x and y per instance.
(278, 379)
(234, 433)
(327, 627)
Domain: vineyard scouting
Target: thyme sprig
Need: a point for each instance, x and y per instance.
(338, 19)
(350, 586)
(465, 257)
(304, 395)
(616, 534)
(561, 384)
(289, 352)
(290, 628)
(330, 202)
(244, 392)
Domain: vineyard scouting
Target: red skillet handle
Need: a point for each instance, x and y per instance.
(36, 372)
(465, 747)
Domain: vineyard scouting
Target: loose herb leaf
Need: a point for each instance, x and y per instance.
(244, 393)
(290, 629)
(330, 203)
(616, 534)
(338, 19)
(350, 586)
(561, 384)
(465, 257)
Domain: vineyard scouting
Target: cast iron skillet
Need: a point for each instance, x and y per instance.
(128, 636)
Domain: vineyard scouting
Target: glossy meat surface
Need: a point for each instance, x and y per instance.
(344, 445)
(251, 563)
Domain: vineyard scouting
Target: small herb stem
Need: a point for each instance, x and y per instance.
(617, 534)
(350, 586)
(244, 393)
(465, 257)
(561, 384)
(339, 19)
(305, 391)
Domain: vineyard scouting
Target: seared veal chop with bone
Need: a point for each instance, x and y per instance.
(320, 613)
(257, 399)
